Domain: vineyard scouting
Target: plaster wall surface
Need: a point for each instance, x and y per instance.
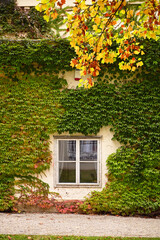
(29, 3)
(70, 77)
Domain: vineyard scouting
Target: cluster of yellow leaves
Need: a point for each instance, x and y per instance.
(94, 28)
(49, 8)
(91, 34)
(88, 83)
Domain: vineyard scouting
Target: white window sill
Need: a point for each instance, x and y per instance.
(66, 185)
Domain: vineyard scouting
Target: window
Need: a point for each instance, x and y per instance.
(78, 161)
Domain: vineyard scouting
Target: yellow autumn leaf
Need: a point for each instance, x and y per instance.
(146, 11)
(73, 44)
(75, 9)
(126, 35)
(130, 14)
(108, 60)
(81, 80)
(79, 85)
(120, 65)
(100, 3)
(109, 41)
(133, 69)
(69, 16)
(129, 67)
(97, 20)
(93, 13)
(38, 8)
(139, 64)
(124, 3)
(152, 35)
(112, 54)
(44, 1)
(123, 67)
(91, 70)
(83, 5)
(99, 56)
(72, 64)
(122, 11)
(97, 73)
(95, 27)
(91, 43)
(136, 52)
(44, 7)
(46, 17)
(89, 85)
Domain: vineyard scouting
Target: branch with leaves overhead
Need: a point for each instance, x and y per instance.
(95, 28)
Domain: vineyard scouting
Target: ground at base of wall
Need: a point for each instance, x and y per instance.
(66, 206)
(70, 207)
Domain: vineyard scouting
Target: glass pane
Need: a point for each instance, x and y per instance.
(67, 172)
(88, 172)
(67, 150)
(88, 150)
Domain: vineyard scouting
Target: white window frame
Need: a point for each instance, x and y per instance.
(77, 183)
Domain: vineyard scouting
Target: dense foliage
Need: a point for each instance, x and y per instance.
(32, 107)
(38, 57)
(94, 28)
(22, 23)
(29, 113)
(29, 86)
(132, 109)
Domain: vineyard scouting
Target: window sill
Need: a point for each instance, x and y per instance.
(65, 185)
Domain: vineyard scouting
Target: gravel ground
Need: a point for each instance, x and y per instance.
(78, 225)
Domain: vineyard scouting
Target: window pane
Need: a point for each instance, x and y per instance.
(67, 150)
(67, 172)
(88, 150)
(88, 172)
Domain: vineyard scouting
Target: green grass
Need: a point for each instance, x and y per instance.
(31, 237)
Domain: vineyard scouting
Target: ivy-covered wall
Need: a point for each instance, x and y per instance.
(32, 107)
(30, 110)
(132, 109)
(48, 57)
(16, 22)
(27, 22)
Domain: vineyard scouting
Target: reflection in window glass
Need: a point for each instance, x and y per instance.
(88, 172)
(67, 150)
(67, 172)
(88, 150)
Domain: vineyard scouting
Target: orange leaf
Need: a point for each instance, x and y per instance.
(94, 74)
(73, 62)
(114, 22)
(54, 15)
(90, 81)
(107, 15)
